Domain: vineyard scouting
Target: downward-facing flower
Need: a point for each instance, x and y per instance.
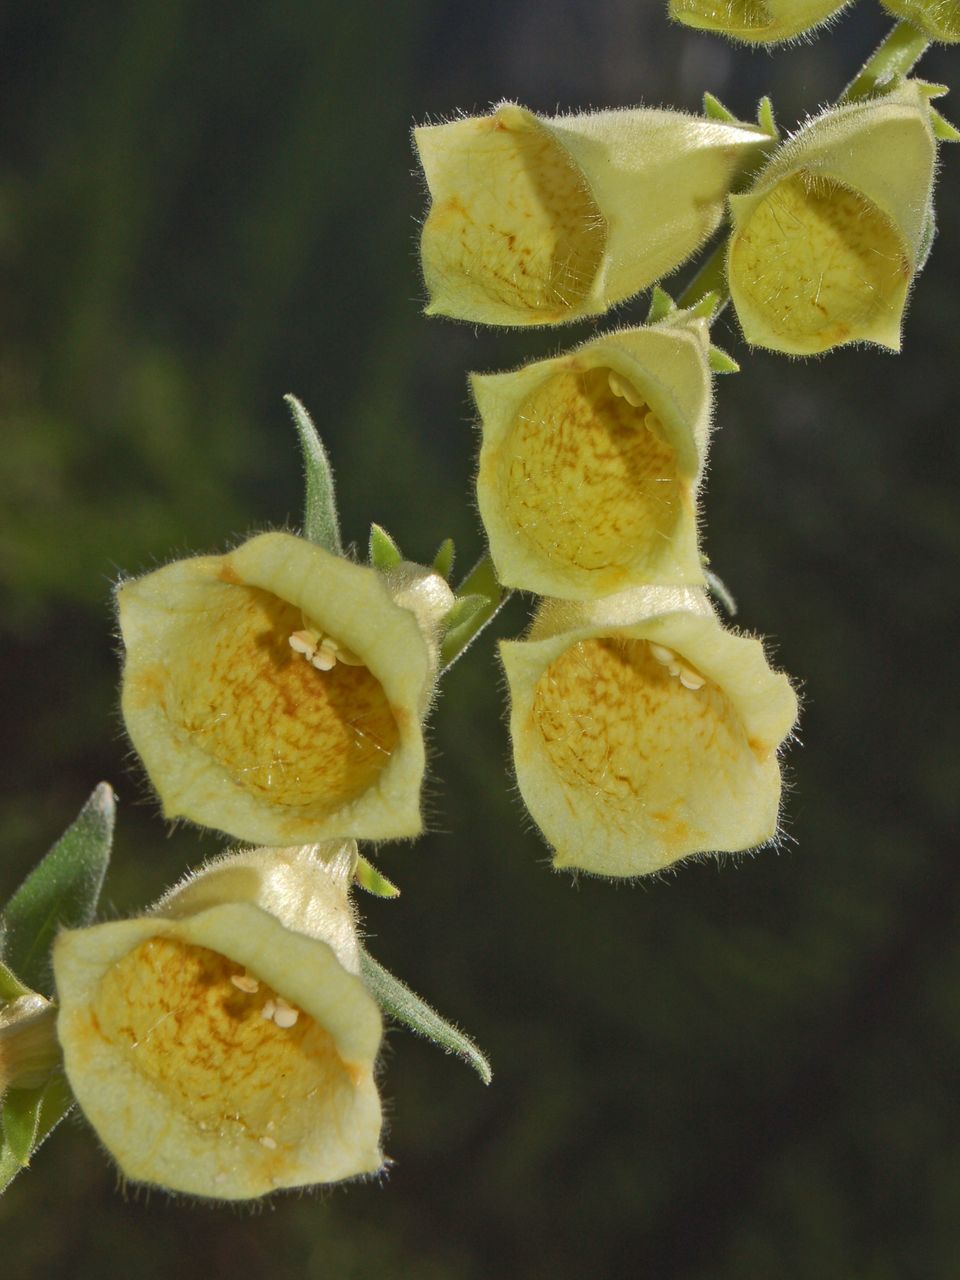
(590, 463)
(223, 1044)
(278, 692)
(939, 19)
(541, 221)
(643, 731)
(827, 241)
(756, 21)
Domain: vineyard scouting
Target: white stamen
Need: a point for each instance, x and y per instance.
(285, 1015)
(690, 680)
(665, 656)
(653, 423)
(268, 1011)
(323, 659)
(626, 390)
(243, 982)
(304, 642)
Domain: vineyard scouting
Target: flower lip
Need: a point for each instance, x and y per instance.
(217, 1051)
(590, 464)
(239, 730)
(643, 732)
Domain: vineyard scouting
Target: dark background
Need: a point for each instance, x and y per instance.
(742, 1070)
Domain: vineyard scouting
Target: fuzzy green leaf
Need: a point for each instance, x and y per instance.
(28, 1116)
(62, 891)
(10, 985)
(320, 521)
(467, 618)
(714, 109)
(443, 560)
(661, 305)
(399, 1002)
(720, 362)
(766, 119)
(369, 878)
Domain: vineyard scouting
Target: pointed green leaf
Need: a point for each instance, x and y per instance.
(718, 588)
(706, 306)
(720, 362)
(398, 1001)
(714, 109)
(62, 891)
(443, 560)
(320, 521)
(383, 551)
(942, 128)
(661, 305)
(369, 878)
(10, 985)
(766, 119)
(36, 1112)
(480, 581)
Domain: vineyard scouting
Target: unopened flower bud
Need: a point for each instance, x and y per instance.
(29, 1052)
(756, 21)
(538, 221)
(590, 462)
(278, 692)
(644, 732)
(223, 1044)
(939, 19)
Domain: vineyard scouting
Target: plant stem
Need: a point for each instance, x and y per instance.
(711, 278)
(895, 56)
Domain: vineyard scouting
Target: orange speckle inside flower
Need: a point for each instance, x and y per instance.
(662, 759)
(816, 264)
(176, 1013)
(513, 230)
(308, 739)
(588, 479)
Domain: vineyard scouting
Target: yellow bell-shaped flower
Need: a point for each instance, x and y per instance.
(278, 692)
(827, 241)
(643, 731)
(223, 1044)
(939, 19)
(538, 221)
(590, 462)
(756, 21)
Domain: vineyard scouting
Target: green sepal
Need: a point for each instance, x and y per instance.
(466, 620)
(443, 560)
(720, 362)
(62, 891)
(714, 109)
(28, 1116)
(943, 130)
(368, 877)
(399, 1002)
(320, 521)
(705, 308)
(661, 305)
(766, 119)
(11, 988)
(719, 590)
(384, 554)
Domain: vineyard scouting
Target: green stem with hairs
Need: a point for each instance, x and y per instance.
(894, 56)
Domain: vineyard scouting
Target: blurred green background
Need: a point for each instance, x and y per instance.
(742, 1070)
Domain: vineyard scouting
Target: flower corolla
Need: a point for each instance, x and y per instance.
(756, 21)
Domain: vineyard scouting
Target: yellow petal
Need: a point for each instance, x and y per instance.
(590, 463)
(541, 221)
(239, 730)
(756, 21)
(644, 732)
(167, 1049)
(827, 241)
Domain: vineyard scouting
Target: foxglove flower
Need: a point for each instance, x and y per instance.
(591, 461)
(939, 19)
(756, 21)
(223, 1044)
(542, 221)
(643, 731)
(278, 692)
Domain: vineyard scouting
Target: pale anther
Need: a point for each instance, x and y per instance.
(285, 1015)
(268, 1011)
(662, 654)
(304, 642)
(690, 680)
(243, 982)
(626, 390)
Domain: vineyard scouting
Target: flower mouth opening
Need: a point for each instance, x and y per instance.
(513, 232)
(589, 480)
(635, 729)
(237, 1063)
(285, 709)
(817, 263)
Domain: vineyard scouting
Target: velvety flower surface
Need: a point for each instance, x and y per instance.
(541, 221)
(756, 21)
(278, 692)
(643, 731)
(223, 1044)
(590, 463)
(939, 19)
(827, 241)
